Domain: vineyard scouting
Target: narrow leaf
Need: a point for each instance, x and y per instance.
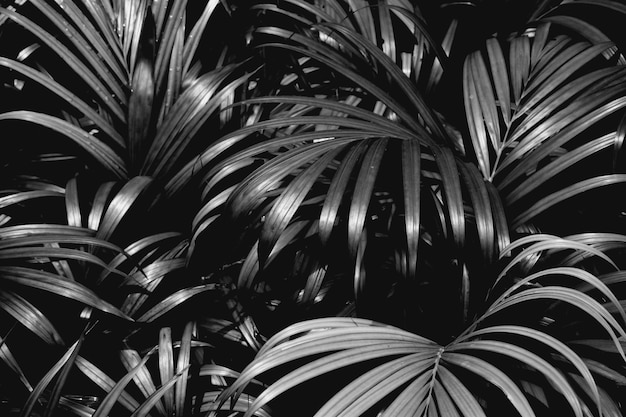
(95, 147)
(182, 368)
(114, 394)
(105, 382)
(570, 191)
(166, 366)
(411, 169)
(493, 375)
(43, 383)
(363, 192)
(173, 301)
(121, 204)
(289, 201)
(29, 316)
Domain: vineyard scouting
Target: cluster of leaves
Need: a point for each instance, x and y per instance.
(237, 204)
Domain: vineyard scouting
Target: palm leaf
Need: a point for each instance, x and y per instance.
(403, 82)
(101, 152)
(66, 95)
(140, 108)
(495, 376)
(120, 205)
(47, 379)
(91, 79)
(193, 39)
(371, 387)
(462, 397)
(9, 360)
(287, 203)
(153, 400)
(365, 186)
(182, 368)
(173, 301)
(105, 382)
(85, 50)
(480, 198)
(573, 298)
(548, 242)
(564, 194)
(452, 193)
(411, 156)
(251, 264)
(190, 111)
(166, 365)
(53, 283)
(64, 373)
(143, 379)
(116, 392)
(555, 378)
(354, 76)
(29, 316)
(336, 191)
(173, 21)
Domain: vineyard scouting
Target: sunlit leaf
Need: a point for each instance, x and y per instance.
(182, 368)
(364, 186)
(462, 397)
(114, 394)
(534, 361)
(120, 205)
(9, 360)
(47, 379)
(96, 148)
(69, 97)
(566, 193)
(54, 284)
(173, 301)
(105, 382)
(166, 366)
(493, 375)
(29, 316)
(371, 387)
(289, 201)
(411, 156)
(73, 61)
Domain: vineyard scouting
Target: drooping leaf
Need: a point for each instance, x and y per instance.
(460, 394)
(335, 194)
(121, 203)
(101, 152)
(29, 316)
(286, 205)
(9, 360)
(566, 193)
(411, 168)
(114, 394)
(65, 94)
(166, 366)
(64, 373)
(43, 383)
(52, 283)
(105, 382)
(495, 376)
(74, 63)
(532, 360)
(364, 187)
(182, 368)
(173, 301)
(154, 399)
(371, 387)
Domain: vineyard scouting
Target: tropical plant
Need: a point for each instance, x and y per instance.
(329, 207)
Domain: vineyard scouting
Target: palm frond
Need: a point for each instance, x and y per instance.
(425, 378)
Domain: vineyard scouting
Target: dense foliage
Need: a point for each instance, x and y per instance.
(312, 207)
